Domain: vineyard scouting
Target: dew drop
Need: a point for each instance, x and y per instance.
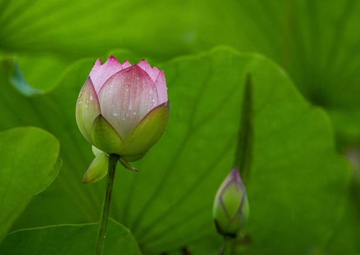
(115, 113)
(80, 95)
(91, 98)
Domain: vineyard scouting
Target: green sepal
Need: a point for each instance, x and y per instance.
(146, 133)
(96, 151)
(105, 137)
(127, 165)
(97, 169)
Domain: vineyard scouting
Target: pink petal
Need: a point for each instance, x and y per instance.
(161, 88)
(100, 73)
(126, 98)
(152, 72)
(126, 64)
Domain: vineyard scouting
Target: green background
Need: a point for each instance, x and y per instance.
(303, 57)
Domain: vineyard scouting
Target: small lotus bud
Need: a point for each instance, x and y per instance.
(231, 208)
(123, 109)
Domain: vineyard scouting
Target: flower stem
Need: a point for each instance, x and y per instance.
(106, 204)
(229, 246)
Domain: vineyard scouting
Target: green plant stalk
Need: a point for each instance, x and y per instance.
(229, 246)
(244, 150)
(113, 159)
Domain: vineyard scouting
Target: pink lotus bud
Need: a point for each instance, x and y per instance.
(123, 109)
(231, 208)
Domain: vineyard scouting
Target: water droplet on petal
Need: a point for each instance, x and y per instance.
(80, 95)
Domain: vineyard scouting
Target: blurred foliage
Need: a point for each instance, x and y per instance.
(298, 190)
(69, 239)
(24, 171)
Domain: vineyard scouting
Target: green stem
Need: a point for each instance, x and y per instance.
(229, 246)
(106, 204)
(245, 140)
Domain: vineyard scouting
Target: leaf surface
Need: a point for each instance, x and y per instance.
(294, 184)
(70, 239)
(28, 157)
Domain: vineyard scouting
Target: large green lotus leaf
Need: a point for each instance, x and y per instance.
(69, 239)
(40, 72)
(317, 42)
(346, 238)
(28, 156)
(297, 182)
(161, 29)
(296, 187)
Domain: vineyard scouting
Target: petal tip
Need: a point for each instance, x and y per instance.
(112, 60)
(97, 62)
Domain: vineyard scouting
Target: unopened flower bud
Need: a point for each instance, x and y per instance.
(123, 109)
(231, 208)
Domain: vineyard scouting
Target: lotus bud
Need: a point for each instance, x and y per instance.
(123, 109)
(231, 208)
